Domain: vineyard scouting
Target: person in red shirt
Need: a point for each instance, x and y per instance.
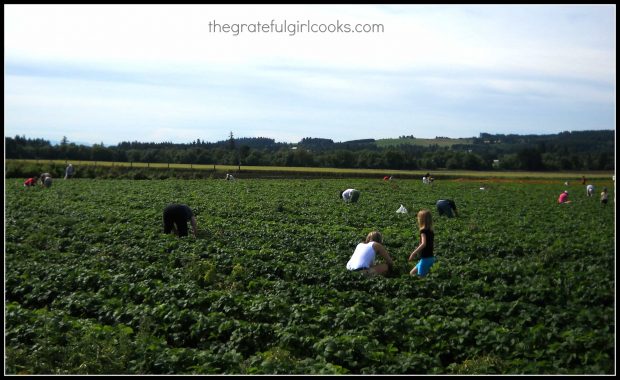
(31, 182)
(563, 197)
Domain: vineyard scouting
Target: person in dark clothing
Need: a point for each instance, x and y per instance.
(176, 217)
(447, 207)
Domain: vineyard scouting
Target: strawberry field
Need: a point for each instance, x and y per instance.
(93, 286)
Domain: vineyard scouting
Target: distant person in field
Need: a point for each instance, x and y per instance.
(563, 198)
(31, 182)
(363, 258)
(229, 177)
(350, 195)
(426, 247)
(46, 180)
(427, 179)
(69, 171)
(176, 217)
(590, 190)
(447, 207)
(583, 179)
(604, 196)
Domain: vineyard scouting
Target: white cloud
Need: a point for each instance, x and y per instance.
(413, 37)
(124, 67)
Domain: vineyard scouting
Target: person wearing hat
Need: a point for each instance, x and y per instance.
(563, 198)
(176, 217)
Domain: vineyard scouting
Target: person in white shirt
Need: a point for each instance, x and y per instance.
(69, 171)
(46, 179)
(590, 190)
(363, 258)
(350, 195)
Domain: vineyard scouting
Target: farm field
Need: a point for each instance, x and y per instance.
(57, 168)
(522, 285)
(443, 142)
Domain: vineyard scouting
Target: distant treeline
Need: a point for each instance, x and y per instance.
(582, 150)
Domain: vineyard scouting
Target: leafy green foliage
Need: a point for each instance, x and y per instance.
(93, 286)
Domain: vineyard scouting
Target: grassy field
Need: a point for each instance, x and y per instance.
(424, 142)
(562, 176)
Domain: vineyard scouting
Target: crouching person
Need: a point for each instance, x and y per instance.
(363, 258)
(46, 180)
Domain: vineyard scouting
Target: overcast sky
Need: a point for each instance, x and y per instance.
(112, 73)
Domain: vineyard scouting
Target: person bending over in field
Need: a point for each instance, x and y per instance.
(426, 246)
(590, 190)
(363, 258)
(447, 207)
(350, 195)
(30, 182)
(46, 179)
(563, 198)
(604, 196)
(176, 217)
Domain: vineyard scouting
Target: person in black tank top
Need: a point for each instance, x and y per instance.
(425, 250)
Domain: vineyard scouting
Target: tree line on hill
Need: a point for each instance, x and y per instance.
(577, 150)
